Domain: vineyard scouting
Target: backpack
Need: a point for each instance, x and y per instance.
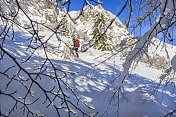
(77, 43)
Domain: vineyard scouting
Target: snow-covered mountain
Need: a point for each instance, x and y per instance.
(85, 23)
(91, 77)
(46, 14)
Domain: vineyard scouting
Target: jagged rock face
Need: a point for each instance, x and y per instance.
(41, 11)
(90, 13)
(48, 10)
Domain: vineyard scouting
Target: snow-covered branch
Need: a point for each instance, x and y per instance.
(141, 47)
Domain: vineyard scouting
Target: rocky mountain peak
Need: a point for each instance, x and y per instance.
(86, 21)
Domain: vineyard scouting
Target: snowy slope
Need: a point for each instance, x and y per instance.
(163, 49)
(93, 82)
(91, 79)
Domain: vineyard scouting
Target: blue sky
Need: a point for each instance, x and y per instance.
(110, 5)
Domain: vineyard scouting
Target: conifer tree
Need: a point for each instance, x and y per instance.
(101, 40)
(64, 26)
(73, 33)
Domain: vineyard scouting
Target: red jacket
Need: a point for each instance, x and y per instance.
(77, 43)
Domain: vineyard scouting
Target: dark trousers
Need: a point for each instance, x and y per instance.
(76, 50)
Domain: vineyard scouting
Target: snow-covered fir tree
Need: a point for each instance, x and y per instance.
(101, 40)
(64, 26)
(73, 32)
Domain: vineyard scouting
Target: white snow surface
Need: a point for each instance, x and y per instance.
(93, 83)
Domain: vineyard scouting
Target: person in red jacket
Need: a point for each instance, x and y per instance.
(76, 45)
